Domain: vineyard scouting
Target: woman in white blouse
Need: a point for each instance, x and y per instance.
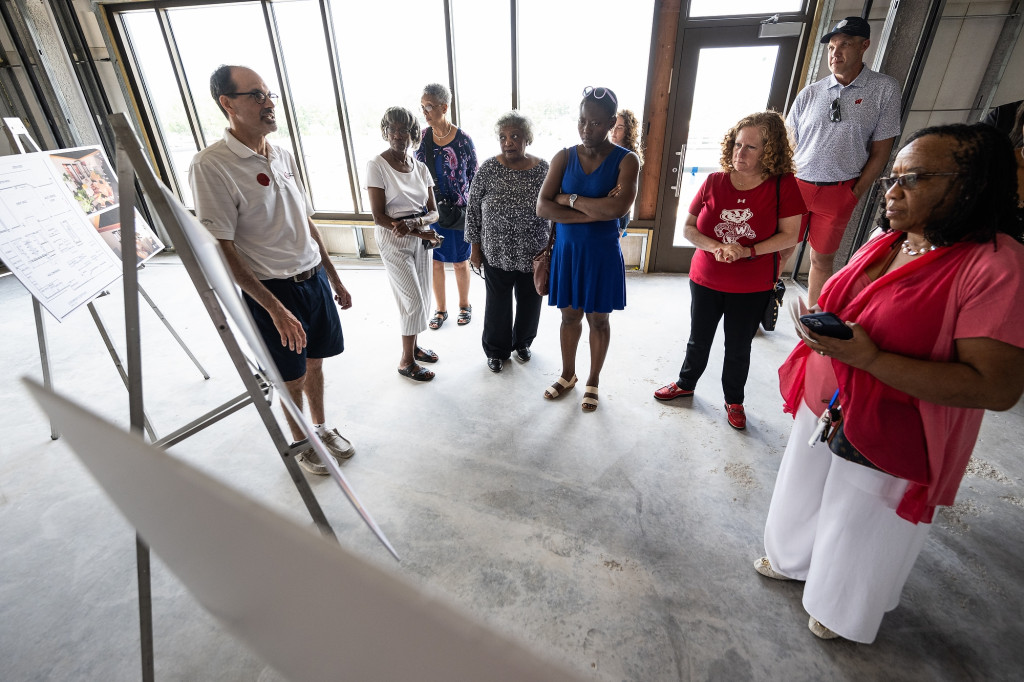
(402, 202)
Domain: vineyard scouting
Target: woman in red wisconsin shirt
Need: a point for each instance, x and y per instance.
(739, 221)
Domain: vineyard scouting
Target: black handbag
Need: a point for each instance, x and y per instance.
(449, 216)
(771, 311)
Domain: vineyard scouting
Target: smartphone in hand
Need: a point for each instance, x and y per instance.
(827, 324)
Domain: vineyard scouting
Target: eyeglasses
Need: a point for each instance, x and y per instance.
(427, 108)
(834, 114)
(260, 97)
(478, 271)
(599, 93)
(907, 180)
(398, 131)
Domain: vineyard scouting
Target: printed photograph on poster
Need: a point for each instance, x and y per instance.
(86, 172)
(108, 225)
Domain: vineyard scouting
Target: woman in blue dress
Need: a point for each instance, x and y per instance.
(454, 165)
(587, 189)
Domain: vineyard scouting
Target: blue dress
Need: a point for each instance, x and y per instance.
(587, 270)
(455, 164)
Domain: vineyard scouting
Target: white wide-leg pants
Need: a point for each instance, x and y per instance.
(833, 524)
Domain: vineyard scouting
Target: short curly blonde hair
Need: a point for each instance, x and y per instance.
(777, 155)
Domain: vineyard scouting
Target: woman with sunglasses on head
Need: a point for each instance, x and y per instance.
(450, 157)
(588, 276)
(740, 219)
(932, 309)
(402, 203)
(505, 233)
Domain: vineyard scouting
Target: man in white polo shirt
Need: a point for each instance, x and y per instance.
(843, 127)
(249, 197)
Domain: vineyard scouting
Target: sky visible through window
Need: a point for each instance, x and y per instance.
(564, 45)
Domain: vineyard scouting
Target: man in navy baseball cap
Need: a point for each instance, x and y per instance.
(851, 26)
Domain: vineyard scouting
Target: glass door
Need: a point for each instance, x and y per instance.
(722, 74)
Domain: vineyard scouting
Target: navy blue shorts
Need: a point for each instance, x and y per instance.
(312, 303)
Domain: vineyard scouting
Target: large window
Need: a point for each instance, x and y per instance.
(566, 45)
(338, 65)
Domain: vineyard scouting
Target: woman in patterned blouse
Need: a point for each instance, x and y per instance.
(505, 233)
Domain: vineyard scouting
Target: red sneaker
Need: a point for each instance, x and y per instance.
(737, 418)
(670, 391)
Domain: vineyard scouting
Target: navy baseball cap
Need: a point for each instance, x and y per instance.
(851, 26)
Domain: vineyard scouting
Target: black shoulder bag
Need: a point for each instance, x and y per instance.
(771, 311)
(449, 216)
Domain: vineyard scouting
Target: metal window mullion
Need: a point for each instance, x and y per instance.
(30, 73)
(344, 123)
(514, 20)
(88, 79)
(449, 37)
(164, 21)
(288, 102)
(119, 44)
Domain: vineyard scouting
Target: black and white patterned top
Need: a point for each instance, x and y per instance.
(502, 215)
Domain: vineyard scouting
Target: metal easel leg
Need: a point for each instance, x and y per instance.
(177, 338)
(117, 362)
(44, 355)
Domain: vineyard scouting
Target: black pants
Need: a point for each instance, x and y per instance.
(742, 314)
(501, 336)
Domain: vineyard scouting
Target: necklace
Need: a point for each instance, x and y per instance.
(906, 248)
(447, 133)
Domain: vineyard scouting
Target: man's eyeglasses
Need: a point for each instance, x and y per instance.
(834, 114)
(907, 180)
(398, 131)
(599, 93)
(260, 97)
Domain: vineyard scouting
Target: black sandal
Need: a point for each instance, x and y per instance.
(465, 315)
(425, 355)
(416, 373)
(438, 319)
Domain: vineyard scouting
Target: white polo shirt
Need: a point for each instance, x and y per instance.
(258, 203)
(829, 151)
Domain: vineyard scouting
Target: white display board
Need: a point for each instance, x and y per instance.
(60, 226)
(344, 619)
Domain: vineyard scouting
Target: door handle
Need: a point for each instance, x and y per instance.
(678, 170)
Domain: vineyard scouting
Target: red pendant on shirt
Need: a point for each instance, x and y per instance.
(263, 179)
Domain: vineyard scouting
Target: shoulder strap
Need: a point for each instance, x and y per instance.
(428, 152)
(778, 209)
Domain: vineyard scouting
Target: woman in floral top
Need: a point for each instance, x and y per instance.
(505, 233)
(454, 165)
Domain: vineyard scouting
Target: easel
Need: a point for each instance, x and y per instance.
(16, 130)
(133, 163)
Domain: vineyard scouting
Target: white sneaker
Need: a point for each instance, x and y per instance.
(764, 567)
(310, 461)
(337, 445)
(820, 630)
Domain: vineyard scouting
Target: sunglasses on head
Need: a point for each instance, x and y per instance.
(599, 93)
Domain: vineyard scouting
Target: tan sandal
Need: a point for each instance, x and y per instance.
(590, 399)
(559, 387)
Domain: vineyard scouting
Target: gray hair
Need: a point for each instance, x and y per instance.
(515, 119)
(402, 117)
(438, 91)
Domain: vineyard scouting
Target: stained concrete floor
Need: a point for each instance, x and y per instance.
(619, 542)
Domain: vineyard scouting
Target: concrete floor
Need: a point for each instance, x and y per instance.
(619, 542)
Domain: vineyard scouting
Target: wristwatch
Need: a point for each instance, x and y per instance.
(572, 199)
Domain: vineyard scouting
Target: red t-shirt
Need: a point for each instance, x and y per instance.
(746, 217)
